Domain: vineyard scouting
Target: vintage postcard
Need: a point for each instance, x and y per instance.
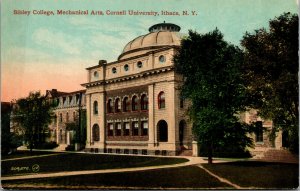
(149, 94)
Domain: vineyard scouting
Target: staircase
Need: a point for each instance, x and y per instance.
(278, 155)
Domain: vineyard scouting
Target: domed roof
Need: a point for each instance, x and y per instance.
(162, 34)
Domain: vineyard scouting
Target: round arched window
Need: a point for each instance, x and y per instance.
(139, 64)
(114, 70)
(162, 59)
(126, 67)
(96, 74)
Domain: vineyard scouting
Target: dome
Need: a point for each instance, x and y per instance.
(162, 34)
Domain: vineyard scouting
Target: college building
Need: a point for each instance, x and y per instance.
(133, 105)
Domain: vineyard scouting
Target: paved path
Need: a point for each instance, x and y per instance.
(192, 161)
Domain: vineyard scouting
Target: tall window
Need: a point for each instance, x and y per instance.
(109, 106)
(259, 132)
(126, 129)
(144, 102)
(181, 102)
(161, 100)
(135, 128)
(96, 132)
(134, 103)
(74, 116)
(144, 128)
(110, 129)
(126, 104)
(95, 107)
(60, 118)
(118, 129)
(67, 117)
(117, 105)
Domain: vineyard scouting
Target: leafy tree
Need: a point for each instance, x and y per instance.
(34, 114)
(211, 70)
(271, 73)
(9, 140)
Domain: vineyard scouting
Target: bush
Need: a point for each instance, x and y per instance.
(226, 152)
(70, 148)
(47, 145)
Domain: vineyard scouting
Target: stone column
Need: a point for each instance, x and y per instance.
(151, 122)
(195, 149)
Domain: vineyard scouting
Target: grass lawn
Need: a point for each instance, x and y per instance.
(20, 154)
(82, 161)
(181, 177)
(258, 174)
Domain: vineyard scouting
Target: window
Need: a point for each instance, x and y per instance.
(117, 105)
(109, 106)
(259, 132)
(96, 75)
(95, 107)
(70, 99)
(60, 118)
(144, 102)
(118, 129)
(74, 116)
(181, 102)
(67, 117)
(162, 59)
(126, 104)
(126, 67)
(114, 70)
(135, 128)
(134, 103)
(96, 132)
(126, 129)
(162, 131)
(64, 100)
(139, 64)
(161, 100)
(110, 129)
(144, 128)
(55, 119)
(60, 136)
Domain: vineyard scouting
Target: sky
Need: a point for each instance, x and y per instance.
(40, 52)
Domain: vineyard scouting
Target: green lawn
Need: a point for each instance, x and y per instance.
(82, 161)
(20, 154)
(181, 177)
(258, 174)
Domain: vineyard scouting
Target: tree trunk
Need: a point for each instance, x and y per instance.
(210, 151)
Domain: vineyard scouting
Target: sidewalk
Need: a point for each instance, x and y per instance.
(192, 161)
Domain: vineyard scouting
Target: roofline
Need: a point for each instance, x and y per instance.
(160, 48)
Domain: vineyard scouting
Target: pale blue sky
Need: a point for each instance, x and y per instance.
(39, 52)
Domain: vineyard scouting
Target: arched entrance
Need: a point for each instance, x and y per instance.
(162, 131)
(182, 126)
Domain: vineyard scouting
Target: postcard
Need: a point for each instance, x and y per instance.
(145, 94)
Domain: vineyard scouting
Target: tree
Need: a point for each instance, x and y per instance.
(34, 114)
(211, 70)
(9, 140)
(271, 73)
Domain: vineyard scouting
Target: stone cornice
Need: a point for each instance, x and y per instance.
(129, 77)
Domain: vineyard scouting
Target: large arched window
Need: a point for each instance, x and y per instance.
(162, 130)
(144, 102)
(109, 106)
(134, 103)
(117, 105)
(96, 132)
(67, 117)
(126, 104)
(95, 107)
(161, 100)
